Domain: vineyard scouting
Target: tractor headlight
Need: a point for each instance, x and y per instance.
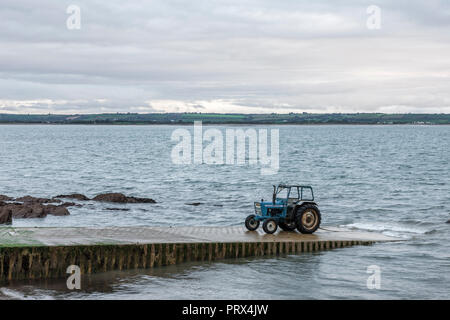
(257, 208)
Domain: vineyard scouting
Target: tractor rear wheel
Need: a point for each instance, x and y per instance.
(307, 218)
(288, 226)
(270, 226)
(251, 223)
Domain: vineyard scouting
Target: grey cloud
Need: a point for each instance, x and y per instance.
(261, 55)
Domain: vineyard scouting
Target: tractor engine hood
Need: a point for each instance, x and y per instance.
(270, 204)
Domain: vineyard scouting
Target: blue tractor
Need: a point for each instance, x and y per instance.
(292, 207)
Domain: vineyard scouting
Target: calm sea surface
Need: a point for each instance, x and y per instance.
(389, 179)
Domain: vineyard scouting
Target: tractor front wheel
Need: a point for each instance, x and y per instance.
(251, 223)
(270, 226)
(308, 218)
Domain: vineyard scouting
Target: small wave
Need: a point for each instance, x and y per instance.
(417, 222)
(17, 295)
(11, 294)
(389, 229)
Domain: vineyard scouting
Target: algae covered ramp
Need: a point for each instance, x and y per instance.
(31, 253)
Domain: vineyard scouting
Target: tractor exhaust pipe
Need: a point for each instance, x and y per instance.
(274, 195)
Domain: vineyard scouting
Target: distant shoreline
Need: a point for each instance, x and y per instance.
(229, 119)
(222, 123)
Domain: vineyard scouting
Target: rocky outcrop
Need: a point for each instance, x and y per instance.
(22, 211)
(34, 207)
(77, 196)
(30, 199)
(71, 204)
(121, 198)
(111, 197)
(56, 210)
(32, 210)
(140, 200)
(5, 215)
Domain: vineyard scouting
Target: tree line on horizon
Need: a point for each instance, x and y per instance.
(228, 118)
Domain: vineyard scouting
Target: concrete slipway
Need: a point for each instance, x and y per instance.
(30, 253)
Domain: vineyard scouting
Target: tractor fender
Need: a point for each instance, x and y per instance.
(299, 204)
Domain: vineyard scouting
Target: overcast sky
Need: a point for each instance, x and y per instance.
(224, 56)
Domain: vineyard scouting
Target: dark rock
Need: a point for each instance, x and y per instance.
(30, 199)
(5, 215)
(448, 221)
(71, 204)
(111, 197)
(34, 210)
(121, 198)
(77, 196)
(5, 198)
(56, 210)
(22, 211)
(194, 203)
(140, 200)
(118, 209)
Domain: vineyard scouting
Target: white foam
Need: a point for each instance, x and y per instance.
(17, 295)
(387, 229)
